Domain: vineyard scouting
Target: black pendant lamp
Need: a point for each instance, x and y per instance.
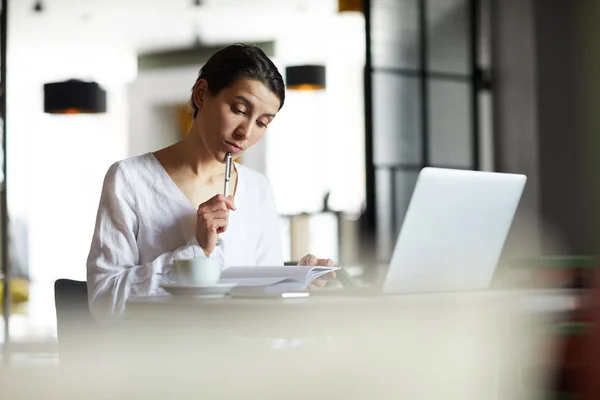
(305, 77)
(74, 97)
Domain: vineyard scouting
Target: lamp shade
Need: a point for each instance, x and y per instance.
(350, 5)
(74, 97)
(305, 77)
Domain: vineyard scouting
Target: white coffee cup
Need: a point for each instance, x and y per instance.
(197, 271)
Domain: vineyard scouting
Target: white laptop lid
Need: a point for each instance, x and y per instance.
(454, 231)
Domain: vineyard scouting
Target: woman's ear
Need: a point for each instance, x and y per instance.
(200, 90)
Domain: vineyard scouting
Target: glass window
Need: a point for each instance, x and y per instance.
(396, 119)
(395, 34)
(448, 36)
(450, 137)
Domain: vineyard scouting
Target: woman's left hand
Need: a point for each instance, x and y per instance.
(311, 260)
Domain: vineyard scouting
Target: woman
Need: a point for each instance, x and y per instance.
(166, 205)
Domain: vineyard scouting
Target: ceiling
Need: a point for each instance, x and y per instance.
(146, 25)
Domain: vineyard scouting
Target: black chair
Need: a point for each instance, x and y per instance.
(76, 328)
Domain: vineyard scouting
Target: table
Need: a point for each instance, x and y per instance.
(446, 346)
(443, 346)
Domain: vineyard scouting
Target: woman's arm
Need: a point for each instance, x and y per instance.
(113, 269)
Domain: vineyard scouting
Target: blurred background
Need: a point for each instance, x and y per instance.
(493, 85)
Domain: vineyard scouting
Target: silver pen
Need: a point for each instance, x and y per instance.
(227, 179)
(227, 173)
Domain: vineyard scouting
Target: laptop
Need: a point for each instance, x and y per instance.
(453, 232)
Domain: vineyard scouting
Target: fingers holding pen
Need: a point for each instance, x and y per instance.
(217, 203)
(213, 219)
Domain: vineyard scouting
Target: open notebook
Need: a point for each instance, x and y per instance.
(274, 278)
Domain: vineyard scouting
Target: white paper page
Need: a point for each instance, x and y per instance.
(303, 275)
(290, 285)
(298, 274)
(247, 282)
(317, 272)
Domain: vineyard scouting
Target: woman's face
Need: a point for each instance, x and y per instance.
(236, 118)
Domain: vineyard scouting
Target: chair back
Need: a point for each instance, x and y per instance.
(74, 321)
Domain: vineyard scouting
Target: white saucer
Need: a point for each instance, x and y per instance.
(179, 289)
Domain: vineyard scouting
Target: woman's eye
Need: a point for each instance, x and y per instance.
(261, 124)
(237, 111)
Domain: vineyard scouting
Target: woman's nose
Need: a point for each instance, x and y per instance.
(244, 130)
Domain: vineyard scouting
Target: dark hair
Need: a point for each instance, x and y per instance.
(240, 61)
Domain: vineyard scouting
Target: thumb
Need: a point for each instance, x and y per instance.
(231, 203)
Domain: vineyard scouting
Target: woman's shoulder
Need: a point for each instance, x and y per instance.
(131, 172)
(138, 165)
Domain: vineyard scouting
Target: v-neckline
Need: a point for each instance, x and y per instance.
(183, 197)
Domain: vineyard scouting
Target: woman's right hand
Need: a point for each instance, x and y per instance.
(213, 217)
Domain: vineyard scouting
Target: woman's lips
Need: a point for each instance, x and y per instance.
(233, 148)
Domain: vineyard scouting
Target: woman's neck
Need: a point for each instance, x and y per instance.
(191, 154)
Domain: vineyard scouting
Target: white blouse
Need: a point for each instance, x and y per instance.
(144, 222)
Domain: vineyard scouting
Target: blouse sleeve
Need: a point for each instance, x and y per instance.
(113, 270)
(269, 252)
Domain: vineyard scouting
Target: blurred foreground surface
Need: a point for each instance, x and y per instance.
(482, 345)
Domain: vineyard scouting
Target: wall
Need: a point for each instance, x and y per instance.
(539, 122)
(560, 122)
(56, 164)
(150, 97)
(319, 136)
